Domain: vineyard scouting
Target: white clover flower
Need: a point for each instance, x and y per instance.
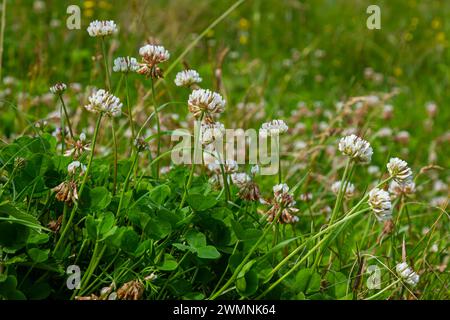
(407, 187)
(83, 137)
(229, 166)
(399, 170)
(280, 188)
(274, 127)
(384, 132)
(104, 102)
(101, 28)
(152, 54)
(74, 165)
(356, 148)
(125, 64)
(209, 132)
(380, 203)
(255, 170)
(58, 88)
(373, 170)
(407, 274)
(205, 101)
(441, 202)
(240, 179)
(186, 78)
(431, 108)
(349, 191)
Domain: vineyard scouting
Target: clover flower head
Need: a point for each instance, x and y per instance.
(186, 78)
(407, 187)
(285, 202)
(240, 179)
(74, 166)
(348, 192)
(255, 170)
(356, 148)
(153, 54)
(380, 203)
(66, 191)
(280, 188)
(205, 101)
(141, 144)
(399, 170)
(102, 28)
(104, 102)
(230, 166)
(77, 147)
(209, 132)
(407, 274)
(125, 64)
(58, 88)
(248, 189)
(274, 127)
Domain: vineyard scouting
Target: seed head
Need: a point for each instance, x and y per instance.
(66, 191)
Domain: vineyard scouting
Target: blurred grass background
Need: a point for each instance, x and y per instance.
(280, 51)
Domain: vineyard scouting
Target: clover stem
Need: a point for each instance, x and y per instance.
(130, 114)
(191, 173)
(115, 156)
(158, 127)
(105, 61)
(83, 183)
(67, 115)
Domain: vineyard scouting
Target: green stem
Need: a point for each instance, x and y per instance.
(191, 173)
(125, 186)
(105, 60)
(311, 251)
(130, 114)
(247, 257)
(115, 156)
(2, 34)
(67, 115)
(83, 183)
(158, 127)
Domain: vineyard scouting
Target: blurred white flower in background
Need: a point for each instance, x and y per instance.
(102, 28)
(125, 64)
(186, 78)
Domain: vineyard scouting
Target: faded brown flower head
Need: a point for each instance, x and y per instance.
(66, 191)
(55, 225)
(132, 290)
